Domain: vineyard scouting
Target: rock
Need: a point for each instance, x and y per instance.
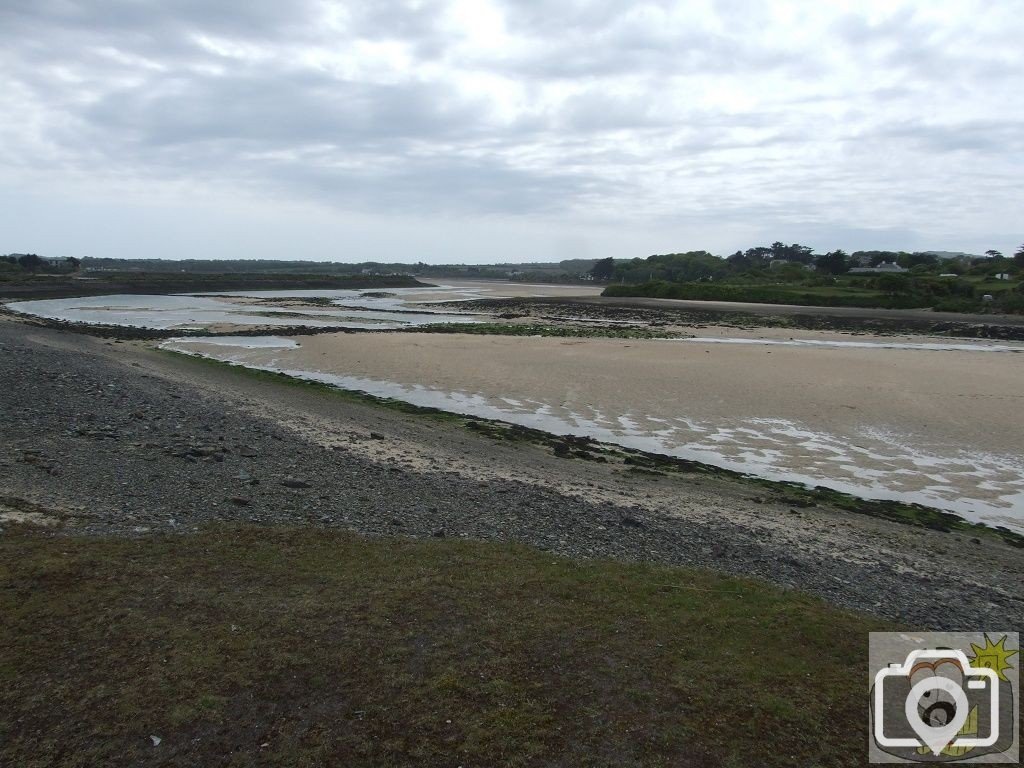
(240, 501)
(376, 436)
(294, 482)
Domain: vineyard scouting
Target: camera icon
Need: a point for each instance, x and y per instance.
(938, 697)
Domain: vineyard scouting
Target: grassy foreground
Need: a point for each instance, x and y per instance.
(247, 645)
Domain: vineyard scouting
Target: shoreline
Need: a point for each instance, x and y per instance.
(576, 447)
(173, 444)
(855, 320)
(892, 508)
(870, 421)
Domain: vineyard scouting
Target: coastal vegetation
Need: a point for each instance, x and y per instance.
(794, 274)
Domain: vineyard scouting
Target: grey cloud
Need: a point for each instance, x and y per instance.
(811, 132)
(896, 29)
(158, 18)
(1002, 138)
(280, 109)
(632, 48)
(450, 185)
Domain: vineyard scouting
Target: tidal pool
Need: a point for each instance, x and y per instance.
(252, 308)
(368, 309)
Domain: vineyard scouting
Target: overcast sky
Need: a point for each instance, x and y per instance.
(485, 130)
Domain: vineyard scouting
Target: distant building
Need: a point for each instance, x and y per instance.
(885, 268)
(1002, 276)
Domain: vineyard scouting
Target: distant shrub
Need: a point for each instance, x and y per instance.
(1012, 303)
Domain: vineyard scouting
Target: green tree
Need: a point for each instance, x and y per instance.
(833, 263)
(1018, 257)
(30, 261)
(603, 269)
(892, 284)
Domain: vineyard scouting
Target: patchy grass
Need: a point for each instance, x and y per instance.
(918, 292)
(245, 645)
(805, 295)
(537, 329)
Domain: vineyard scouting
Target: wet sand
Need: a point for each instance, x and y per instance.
(937, 427)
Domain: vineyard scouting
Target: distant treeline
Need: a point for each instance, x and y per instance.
(795, 260)
(568, 270)
(34, 263)
(794, 274)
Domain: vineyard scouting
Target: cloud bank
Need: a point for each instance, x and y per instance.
(482, 130)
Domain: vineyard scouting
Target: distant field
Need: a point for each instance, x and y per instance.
(838, 295)
(308, 647)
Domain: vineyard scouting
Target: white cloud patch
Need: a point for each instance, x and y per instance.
(674, 124)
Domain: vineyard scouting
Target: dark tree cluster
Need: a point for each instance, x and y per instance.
(793, 263)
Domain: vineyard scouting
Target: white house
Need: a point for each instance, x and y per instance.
(886, 267)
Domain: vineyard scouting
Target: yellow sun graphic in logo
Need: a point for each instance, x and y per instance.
(993, 656)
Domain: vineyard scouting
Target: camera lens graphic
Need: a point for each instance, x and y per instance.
(939, 713)
(936, 723)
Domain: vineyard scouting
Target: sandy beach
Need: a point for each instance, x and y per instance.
(914, 423)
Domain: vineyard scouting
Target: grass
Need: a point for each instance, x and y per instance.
(920, 293)
(294, 647)
(823, 296)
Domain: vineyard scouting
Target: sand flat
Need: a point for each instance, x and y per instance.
(917, 424)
